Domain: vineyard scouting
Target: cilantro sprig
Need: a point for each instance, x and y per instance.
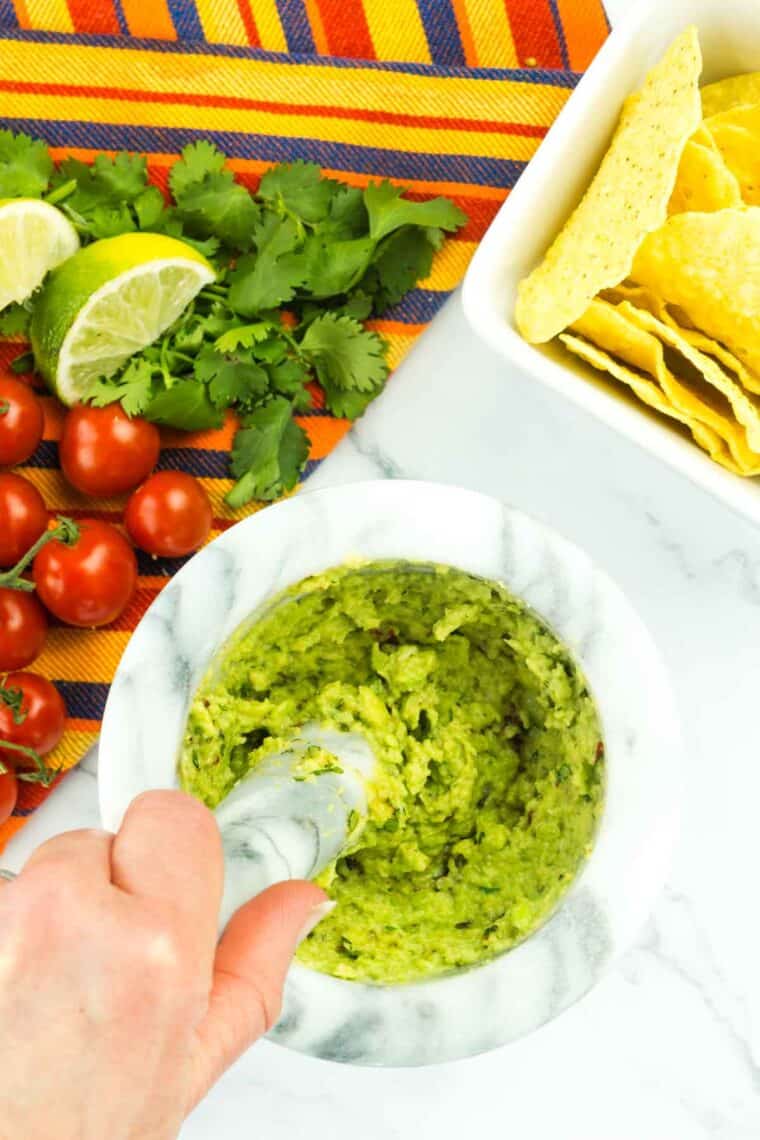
(302, 263)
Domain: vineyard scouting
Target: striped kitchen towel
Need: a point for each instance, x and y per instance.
(442, 96)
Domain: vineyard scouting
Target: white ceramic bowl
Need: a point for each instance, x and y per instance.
(554, 182)
(477, 1009)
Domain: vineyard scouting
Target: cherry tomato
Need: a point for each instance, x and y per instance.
(32, 713)
(103, 452)
(89, 582)
(21, 421)
(170, 515)
(23, 629)
(8, 794)
(23, 517)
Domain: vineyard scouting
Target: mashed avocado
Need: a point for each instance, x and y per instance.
(489, 750)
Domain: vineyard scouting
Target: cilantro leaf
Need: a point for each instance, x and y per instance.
(25, 166)
(347, 217)
(109, 221)
(388, 211)
(330, 268)
(186, 405)
(268, 454)
(133, 388)
(289, 377)
(344, 354)
(198, 159)
(244, 336)
(219, 207)
(150, 208)
(299, 189)
(403, 259)
(231, 378)
(347, 405)
(14, 320)
(264, 280)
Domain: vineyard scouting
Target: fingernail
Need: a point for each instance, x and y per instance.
(316, 914)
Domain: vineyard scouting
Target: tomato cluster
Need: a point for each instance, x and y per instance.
(83, 572)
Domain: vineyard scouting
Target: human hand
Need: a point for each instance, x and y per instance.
(118, 1011)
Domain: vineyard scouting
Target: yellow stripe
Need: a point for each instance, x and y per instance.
(491, 33)
(398, 346)
(81, 655)
(163, 115)
(397, 31)
(449, 265)
(221, 22)
(268, 25)
(488, 99)
(49, 16)
(71, 749)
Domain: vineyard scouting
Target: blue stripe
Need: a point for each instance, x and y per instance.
(83, 699)
(531, 76)
(150, 567)
(185, 19)
(418, 306)
(498, 172)
(46, 455)
(296, 26)
(442, 32)
(8, 19)
(560, 32)
(121, 18)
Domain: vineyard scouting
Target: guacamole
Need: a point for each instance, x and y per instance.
(490, 781)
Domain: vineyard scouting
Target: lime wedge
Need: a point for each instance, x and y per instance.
(108, 301)
(34, 238)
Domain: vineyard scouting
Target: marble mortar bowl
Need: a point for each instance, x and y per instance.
(478, 1009)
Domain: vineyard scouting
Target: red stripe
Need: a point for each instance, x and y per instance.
(246, 15)
(534, 33)
(96, 17)
(346, 28)
(359, 114)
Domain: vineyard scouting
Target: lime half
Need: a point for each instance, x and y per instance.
(34, 238)
(107, 302)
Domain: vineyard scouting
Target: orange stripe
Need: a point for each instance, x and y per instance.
(150, 20)
(324, 432)
(97, 18)
(465, 33)
(249, 23)
(347, 31)
(585, 28)
(22, 15)
(317, 27)
(9, 829)
(357, 114)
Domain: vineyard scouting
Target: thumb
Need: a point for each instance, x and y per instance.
(251, 962)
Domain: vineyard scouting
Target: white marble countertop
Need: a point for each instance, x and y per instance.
(668, 1046)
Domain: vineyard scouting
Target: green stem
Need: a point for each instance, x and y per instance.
(42, 774)
(4, 407)
(61, 192)
(65, 531)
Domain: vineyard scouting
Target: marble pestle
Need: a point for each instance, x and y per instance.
(277, 824)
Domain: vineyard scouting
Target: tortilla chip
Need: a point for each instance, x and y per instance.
(651, 395)
(708, 265)
(744, 407)
(704, 181)
(639, 296)
(736, 134)
(644, 298)
(627, 198)
(728, 93)
(615, 330)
